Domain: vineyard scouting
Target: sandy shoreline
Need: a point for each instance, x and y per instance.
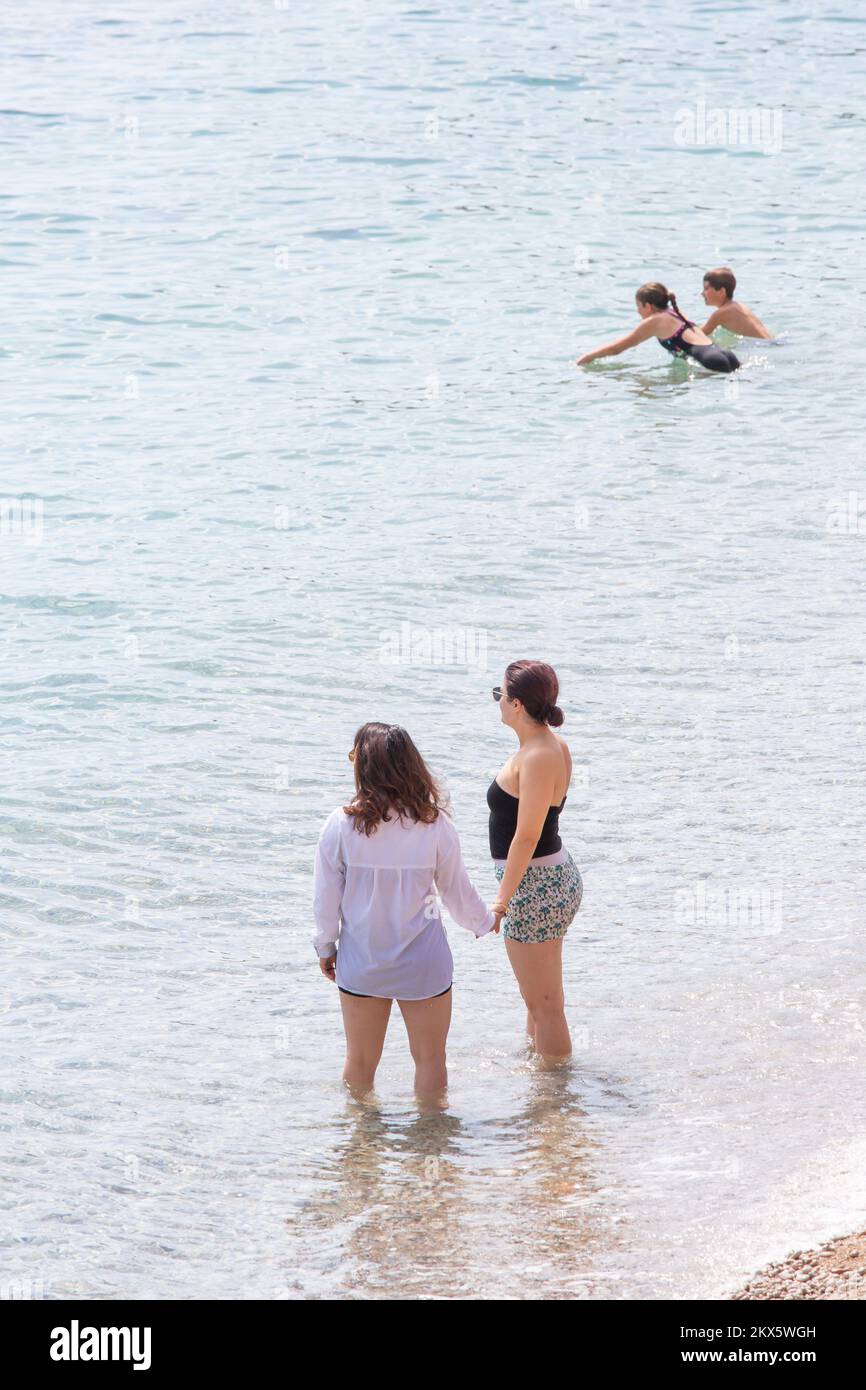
(836, 1270)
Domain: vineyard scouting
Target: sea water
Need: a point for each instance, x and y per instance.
(294, 439)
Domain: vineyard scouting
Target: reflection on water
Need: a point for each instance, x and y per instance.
(432, 1205)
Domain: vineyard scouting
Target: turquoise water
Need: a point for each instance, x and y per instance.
(294, 440)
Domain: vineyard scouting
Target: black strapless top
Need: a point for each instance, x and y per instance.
(503, 824)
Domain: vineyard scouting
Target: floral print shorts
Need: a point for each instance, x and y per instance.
(545, 902)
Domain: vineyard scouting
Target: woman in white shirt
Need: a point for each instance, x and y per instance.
(379, 931)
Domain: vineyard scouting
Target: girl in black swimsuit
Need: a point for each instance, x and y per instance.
(714, 358)
(652, 302)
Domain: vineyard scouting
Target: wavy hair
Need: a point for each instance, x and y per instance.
(391, 778)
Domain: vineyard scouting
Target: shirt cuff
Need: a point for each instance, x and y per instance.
(491, 918)
(329, 949)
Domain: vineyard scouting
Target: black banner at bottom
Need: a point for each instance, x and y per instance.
(158, 1339)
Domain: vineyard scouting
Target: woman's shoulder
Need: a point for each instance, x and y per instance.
(549, 751)
(566, 753)
(444, 829)
(334, 822)
(546, 759)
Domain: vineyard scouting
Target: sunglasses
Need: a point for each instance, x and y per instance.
(351, 755)
(497, 692)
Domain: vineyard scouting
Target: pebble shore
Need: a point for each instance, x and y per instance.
(833, 1271)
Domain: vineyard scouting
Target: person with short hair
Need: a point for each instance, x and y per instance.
(718, 294)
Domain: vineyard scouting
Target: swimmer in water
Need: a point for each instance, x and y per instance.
(677, 334)
(718, 294)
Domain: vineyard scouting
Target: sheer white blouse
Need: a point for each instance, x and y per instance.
(375, 903)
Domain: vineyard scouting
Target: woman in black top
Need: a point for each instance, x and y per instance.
(540, 887)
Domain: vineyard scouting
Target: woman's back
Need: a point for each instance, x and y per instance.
(398, 843)
(379, 933)
(377, 894)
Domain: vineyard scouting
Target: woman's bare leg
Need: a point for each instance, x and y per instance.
(537, 966)
(427, 1023)
(365, 1023)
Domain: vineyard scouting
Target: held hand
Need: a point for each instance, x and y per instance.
(328, 966)
(499, 911)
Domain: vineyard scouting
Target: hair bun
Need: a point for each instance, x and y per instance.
(536, 686)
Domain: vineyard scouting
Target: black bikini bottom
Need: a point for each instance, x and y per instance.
(377, 996)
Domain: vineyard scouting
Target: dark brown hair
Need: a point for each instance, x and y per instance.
(658, 296)
(536, 686)
(722, 278)
(391, 777)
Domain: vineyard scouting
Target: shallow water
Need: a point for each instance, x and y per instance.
(293, 298)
